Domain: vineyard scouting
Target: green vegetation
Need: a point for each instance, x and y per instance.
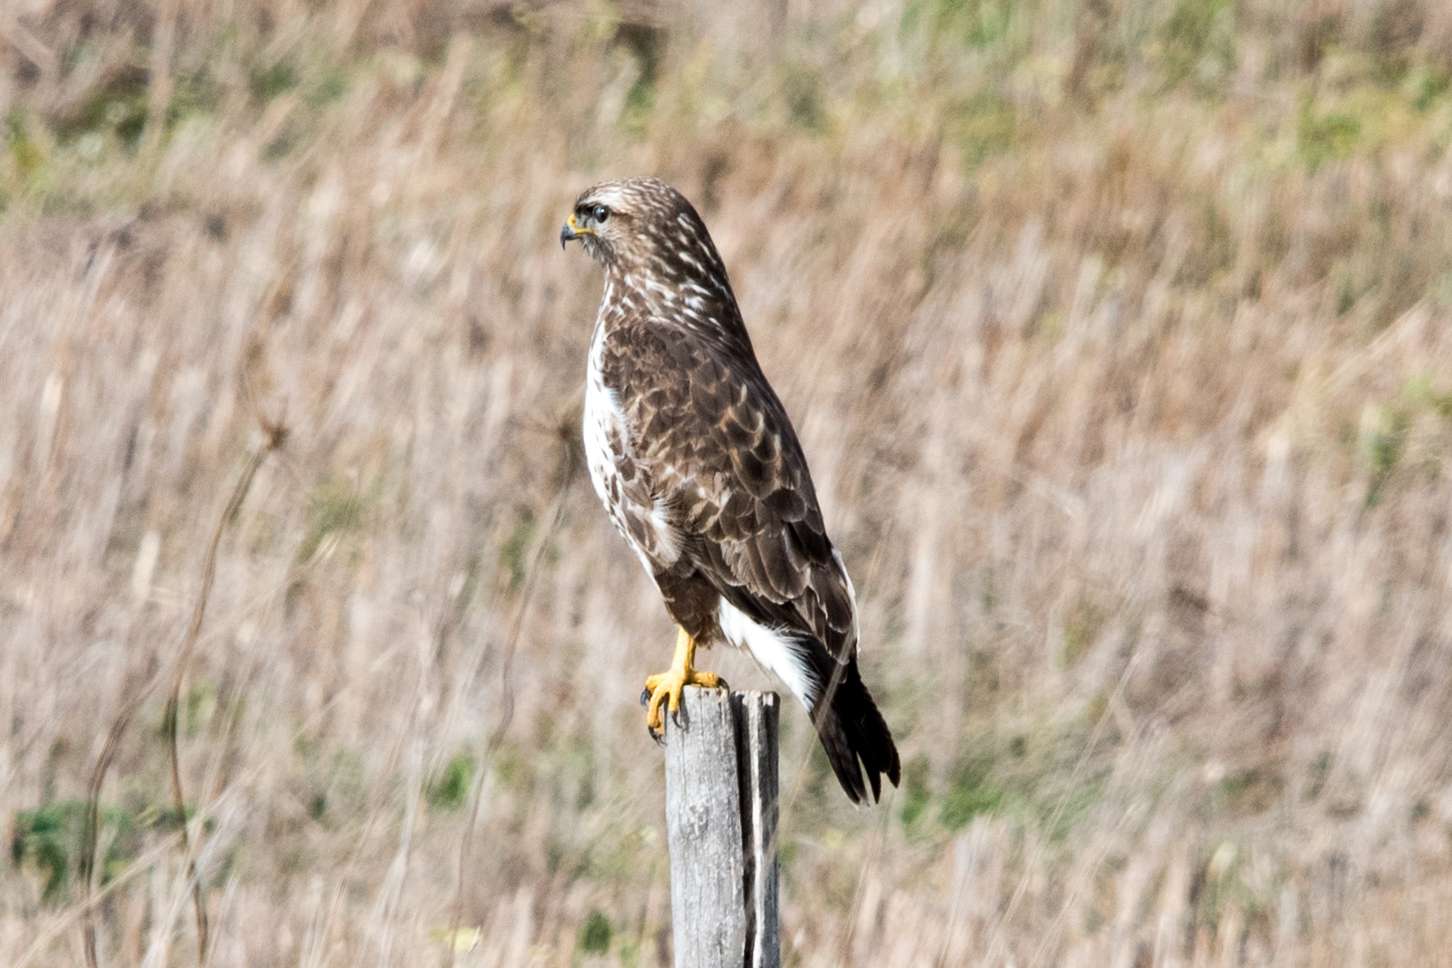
(955, 24)
(1326, 136)
(336, 510)
(514, 551)
(1026, 782)
(1409, 434)
(1198, 43)
(1082, 626)
(915, 795)
(49, 840)
(595, 934)
(450, 789)
(971, 790)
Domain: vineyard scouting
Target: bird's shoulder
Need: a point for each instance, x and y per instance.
(642, 352)
(701, 398)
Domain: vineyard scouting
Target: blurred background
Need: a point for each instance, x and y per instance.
(1116, 331)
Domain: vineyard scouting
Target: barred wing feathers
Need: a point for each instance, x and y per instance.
(722, 459)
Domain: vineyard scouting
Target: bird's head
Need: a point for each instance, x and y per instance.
(642, 225)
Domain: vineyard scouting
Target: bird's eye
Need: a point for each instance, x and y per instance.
(601, 213)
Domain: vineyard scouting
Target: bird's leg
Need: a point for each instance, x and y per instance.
(666, 687)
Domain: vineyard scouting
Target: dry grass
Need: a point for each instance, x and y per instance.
(1119, 335)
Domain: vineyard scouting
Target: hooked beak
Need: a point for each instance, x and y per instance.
(572, 230)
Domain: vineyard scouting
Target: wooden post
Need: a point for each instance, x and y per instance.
(721, 797)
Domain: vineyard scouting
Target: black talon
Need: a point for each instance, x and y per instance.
(645, 697)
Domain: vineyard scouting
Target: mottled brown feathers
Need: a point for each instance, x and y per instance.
(696, 461)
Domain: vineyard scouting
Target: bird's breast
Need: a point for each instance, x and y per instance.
(605, 432)
(620, 478)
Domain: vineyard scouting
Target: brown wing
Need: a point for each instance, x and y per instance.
(720, 453)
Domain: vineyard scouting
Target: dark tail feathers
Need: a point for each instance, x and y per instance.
(852, 732)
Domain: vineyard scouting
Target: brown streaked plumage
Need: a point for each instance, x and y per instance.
(698, 465)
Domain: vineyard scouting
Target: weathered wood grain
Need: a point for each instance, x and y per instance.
(721, 810)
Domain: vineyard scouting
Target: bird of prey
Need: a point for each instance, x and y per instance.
(694, 457)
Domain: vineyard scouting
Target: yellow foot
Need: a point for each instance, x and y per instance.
(665, 688)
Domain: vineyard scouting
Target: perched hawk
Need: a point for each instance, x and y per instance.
(693, 456)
